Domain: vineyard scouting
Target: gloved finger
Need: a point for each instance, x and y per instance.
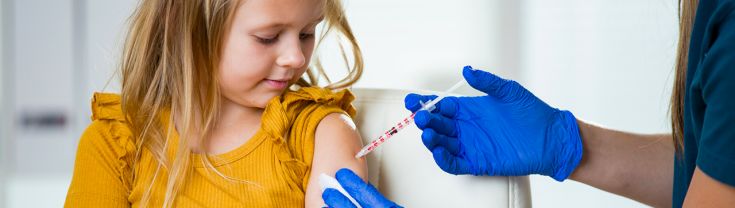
(447, 106)
(413, 101)
(439, 123)
(364, 193)
(432, 139)
(334, 198)
(491, 84)
(450, 163)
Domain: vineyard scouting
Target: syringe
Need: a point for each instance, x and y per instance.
(405, 122)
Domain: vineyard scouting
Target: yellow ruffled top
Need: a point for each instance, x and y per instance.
(275, 163)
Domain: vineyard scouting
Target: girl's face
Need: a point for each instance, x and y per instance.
(267, 48)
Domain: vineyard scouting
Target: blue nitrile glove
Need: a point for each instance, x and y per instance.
(365, 194)
(508, 132)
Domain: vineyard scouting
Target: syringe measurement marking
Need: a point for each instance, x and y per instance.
(388, 134)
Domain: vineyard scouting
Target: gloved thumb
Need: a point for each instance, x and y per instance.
(489, 83)
(364, 193)
(335, 199)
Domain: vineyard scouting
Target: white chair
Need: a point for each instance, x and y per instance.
(405, 172)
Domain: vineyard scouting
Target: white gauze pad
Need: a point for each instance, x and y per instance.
(326, 181)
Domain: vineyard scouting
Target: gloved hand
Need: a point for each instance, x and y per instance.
(365, 194)
(508, 132)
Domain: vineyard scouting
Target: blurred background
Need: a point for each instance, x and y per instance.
(609, 62)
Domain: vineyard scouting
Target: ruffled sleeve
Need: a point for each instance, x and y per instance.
(291, 120)
(103, 166)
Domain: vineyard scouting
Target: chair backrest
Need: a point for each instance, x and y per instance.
(404, 170)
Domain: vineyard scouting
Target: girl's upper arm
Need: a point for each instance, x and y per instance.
(336, 142)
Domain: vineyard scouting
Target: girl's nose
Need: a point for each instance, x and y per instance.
(292, 56)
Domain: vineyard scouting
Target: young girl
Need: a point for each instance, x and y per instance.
(214, 110)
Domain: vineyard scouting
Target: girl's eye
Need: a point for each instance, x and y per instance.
(266, 41)
(306, 36)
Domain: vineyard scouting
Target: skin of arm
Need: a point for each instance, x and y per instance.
(336, 143)
(705, 191)
(639, 167)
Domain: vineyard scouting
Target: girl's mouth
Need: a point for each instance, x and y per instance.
(277, 84)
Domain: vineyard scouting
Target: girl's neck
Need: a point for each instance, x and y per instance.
(233, 115)
(235, 125)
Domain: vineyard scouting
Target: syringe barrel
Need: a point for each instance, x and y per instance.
(387, 134)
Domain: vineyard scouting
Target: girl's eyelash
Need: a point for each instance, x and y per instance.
(304, 36)
(267, 41)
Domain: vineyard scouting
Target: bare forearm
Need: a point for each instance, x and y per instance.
(639, 167)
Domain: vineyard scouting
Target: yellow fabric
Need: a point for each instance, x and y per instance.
(275, 162)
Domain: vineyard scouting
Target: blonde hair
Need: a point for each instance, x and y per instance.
(169, 63)
(687, 12)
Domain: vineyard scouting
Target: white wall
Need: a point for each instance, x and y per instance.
(418, 44)
(105, 26)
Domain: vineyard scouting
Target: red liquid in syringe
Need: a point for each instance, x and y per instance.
(387, 135)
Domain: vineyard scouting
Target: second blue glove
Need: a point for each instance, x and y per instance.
(364, 193)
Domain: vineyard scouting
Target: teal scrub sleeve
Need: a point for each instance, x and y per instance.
(717, 143)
